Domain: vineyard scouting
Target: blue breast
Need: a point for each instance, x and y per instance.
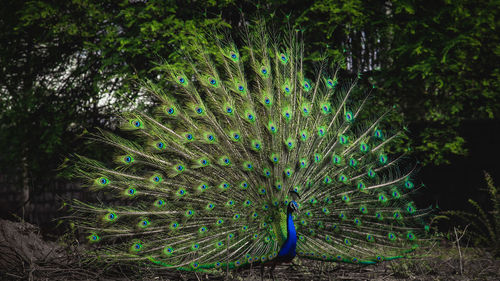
(288, 249)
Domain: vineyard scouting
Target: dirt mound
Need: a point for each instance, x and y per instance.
(23, 242)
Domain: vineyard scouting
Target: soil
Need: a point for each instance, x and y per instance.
(26, 255)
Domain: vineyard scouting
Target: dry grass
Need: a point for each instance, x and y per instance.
(26, 256)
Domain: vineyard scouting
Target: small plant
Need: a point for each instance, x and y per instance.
(484, 228)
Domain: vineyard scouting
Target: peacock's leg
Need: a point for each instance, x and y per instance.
(271, 272)
(262, 272)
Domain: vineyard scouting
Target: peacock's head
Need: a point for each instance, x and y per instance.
(293, 207)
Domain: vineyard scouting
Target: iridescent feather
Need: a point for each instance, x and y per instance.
(212, 179)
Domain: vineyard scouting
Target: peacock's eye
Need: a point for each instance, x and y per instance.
(240, 88)
(408, 184)
(229, 110)
(233, 56)
(348, 116)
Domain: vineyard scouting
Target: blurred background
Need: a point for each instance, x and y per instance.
(69, 66)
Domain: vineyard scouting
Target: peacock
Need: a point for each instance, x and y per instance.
(250, 157)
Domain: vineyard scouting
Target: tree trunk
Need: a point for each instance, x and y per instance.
(25, 185)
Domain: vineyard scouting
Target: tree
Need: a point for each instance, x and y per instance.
(434, 60)
(66, 66)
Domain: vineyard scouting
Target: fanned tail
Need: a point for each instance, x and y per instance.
(206, 180)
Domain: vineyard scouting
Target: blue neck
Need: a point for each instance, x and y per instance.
(288, 248)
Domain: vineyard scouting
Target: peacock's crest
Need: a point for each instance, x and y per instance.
(250, 159)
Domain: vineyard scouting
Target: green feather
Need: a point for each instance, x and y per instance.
(205, 182)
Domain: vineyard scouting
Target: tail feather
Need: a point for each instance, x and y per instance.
(205, 181)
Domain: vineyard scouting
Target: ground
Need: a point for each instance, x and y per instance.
(25, 255)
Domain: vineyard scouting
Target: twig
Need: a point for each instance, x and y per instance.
(227, 258)
(458, 246)
(13, 275)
